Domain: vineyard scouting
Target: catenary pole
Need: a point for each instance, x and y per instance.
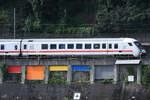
(14, 23)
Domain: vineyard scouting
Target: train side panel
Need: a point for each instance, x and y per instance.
(10, 48)
(105, 47)
(30, 48)
(59, 47)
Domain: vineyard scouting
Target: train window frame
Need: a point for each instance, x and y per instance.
(103, 45)
(116, 46)
(79, 46)
(24, 46)
(88, 46)
(53, 46)
(44, 46)
(110, 46)
(2, 47)
(62, 46)
(15, 47)
(96, 46)
(130, 44)
(70, 46)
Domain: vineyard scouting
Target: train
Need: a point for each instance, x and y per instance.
(71, 47)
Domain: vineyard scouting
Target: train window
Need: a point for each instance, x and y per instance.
(70, 46)
(96, 46)
(2, 47)
(61, 46)
(130, 44)
(138, 44)
(78, 46)
(16, 47)
(104, 46)
(52, 46)
(110, 46)
(44, 46)
(87, 46)
(115, 46)
(25, 46)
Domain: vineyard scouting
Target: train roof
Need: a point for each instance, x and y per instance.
(69, 40)
(78, 39)
(10, 40)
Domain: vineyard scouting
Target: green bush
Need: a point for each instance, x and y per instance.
(4, 71)
(33, 81)
(57, 79)
(107, 81)
(146, 75)
(130, 70)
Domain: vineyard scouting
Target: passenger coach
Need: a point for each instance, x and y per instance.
(68, 46)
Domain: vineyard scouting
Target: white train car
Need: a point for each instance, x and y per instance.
(10, 47)
(81, 46)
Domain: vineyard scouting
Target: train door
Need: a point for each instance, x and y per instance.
(31, 48)
(24, 48)
(28, 47)
(120, 48)
(110, 48)
(2, 48)
(36, 48)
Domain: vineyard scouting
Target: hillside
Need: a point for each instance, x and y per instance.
(84, 17)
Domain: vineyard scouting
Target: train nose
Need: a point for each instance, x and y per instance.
(143, 51)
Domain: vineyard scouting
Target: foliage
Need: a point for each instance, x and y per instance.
(9, 76)
(4, 16)
(116, 15)
(3, 67)
(47, 16)
(57, 79)
(4, 70)
(131, 70)
(107, 81)
(33, 81)
(125, 80)
(27, 24)
(62, 16)
(65, 98)
(146, 75)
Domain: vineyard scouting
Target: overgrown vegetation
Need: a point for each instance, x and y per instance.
(105, 81)
(48, 16)
(131, 70)
(14, 77)
(123, 15)
(3, 71)
(57, 77)
(75, 17)
(33, 81)
(146, 75)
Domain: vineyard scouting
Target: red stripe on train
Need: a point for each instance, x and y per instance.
(127, 51)
(13, 51)
(30, 51)
(80, 51)
(66, 51)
